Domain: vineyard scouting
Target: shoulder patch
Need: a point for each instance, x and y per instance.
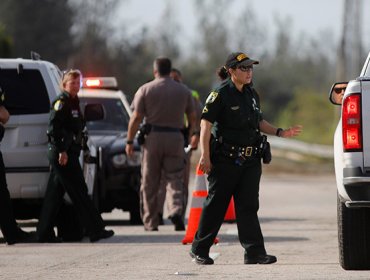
(58, 105)
(211, 97)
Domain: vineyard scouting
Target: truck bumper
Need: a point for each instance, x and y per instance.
(357, 186)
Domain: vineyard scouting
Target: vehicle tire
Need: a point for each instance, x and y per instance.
(353, 237)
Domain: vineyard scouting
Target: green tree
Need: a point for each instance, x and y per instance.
(314, 112)
(91, 30)
(42, 26)
(5, 43)
(292, 67)
(211, 45)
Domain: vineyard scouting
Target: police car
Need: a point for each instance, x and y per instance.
(116, 177)
(352, 169)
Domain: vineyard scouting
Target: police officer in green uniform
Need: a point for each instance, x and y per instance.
(65, 134)
(11, 232)
(231, 149)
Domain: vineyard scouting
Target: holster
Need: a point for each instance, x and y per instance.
(265, 150)
(144, 130)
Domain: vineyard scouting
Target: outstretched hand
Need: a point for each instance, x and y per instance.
(291, 131)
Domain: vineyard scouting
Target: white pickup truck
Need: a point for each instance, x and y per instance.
(30, 85)
(352, 169)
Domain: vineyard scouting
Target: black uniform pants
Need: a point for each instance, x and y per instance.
(68, 178)
(9, 227)
(227, 179)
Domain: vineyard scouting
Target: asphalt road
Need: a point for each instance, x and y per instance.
(298, 219)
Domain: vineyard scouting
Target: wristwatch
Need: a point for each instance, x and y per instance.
(278, 131)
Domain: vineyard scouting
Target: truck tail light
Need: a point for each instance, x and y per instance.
(351, 123)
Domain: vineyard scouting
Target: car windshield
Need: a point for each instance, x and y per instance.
(115, 114)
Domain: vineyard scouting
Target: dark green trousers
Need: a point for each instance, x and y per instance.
(227, 179)
(68, 178)
(8, 225)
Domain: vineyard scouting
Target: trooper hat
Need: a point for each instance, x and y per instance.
(239, 58)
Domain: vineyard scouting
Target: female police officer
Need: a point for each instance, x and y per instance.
(65, 130)
(230, 143)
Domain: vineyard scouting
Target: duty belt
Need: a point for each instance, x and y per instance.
(235, 151)
(158, 128)
(75, 139)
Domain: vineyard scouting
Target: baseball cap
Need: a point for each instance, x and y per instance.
(239, 58)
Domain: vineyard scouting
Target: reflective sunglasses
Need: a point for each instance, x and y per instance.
(339, 89)
(244, 68)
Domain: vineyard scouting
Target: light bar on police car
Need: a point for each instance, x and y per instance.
(100, 82)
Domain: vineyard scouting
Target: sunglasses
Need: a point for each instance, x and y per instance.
(244, 68)
(339, 90)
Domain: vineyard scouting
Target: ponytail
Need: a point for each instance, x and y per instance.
(222, 73)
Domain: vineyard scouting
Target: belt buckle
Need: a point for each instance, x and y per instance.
(248, 151)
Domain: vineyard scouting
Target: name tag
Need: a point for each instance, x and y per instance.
(75, 113)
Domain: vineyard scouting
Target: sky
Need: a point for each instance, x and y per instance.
(308, 16)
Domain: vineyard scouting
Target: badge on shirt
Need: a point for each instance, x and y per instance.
(58, 105)
(254, 105)
(211, 97)
(2, 97)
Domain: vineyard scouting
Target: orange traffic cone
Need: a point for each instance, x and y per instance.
(199, 195)
(230, 213)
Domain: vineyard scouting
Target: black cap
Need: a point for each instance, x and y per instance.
(239, 58)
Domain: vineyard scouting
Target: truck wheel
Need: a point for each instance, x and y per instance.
(353, 237)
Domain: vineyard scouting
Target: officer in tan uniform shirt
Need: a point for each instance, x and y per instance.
(163, 102)
(198, 107)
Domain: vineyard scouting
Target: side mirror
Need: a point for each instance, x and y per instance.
(94, 112)
(337, 92)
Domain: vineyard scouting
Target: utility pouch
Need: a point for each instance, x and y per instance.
(265, 150)
(144, 130)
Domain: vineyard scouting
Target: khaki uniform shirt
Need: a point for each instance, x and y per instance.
(163, 102)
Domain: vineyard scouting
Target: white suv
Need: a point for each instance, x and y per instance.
(352, 169)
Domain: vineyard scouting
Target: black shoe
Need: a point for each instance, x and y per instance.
(150, 229)
(261, 259)
(202, 260)
(23, 237)
(178, 222)
(101, 235)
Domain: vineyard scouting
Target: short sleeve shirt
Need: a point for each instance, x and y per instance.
(163, 102)
(235, 115)
(66, 121)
